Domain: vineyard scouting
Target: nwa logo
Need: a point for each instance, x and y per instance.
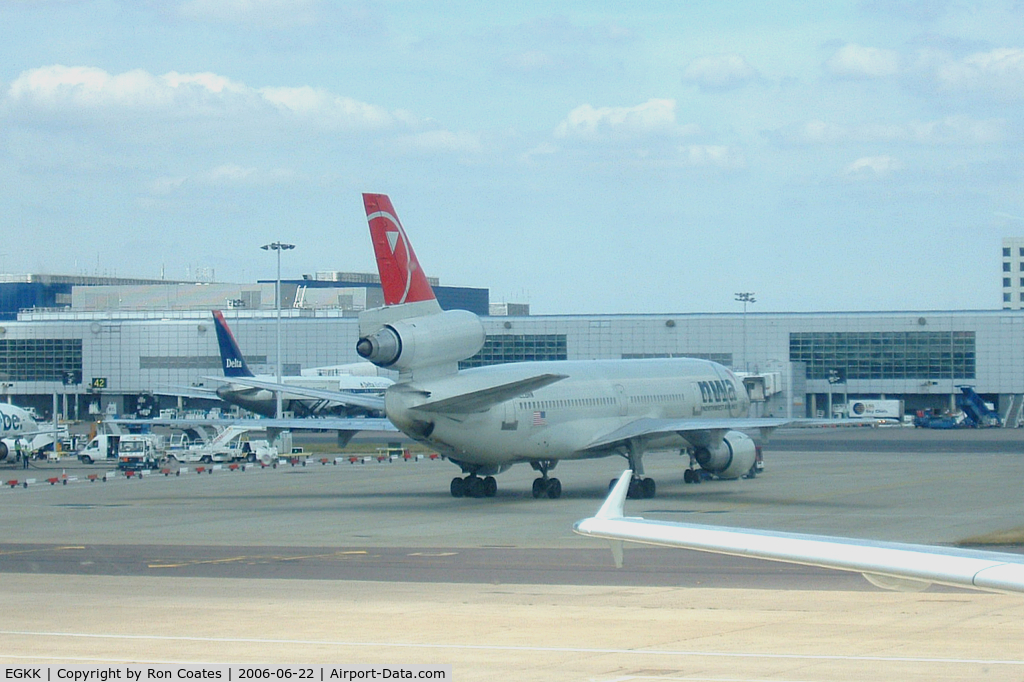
(232, 363)
(717, 391)
(11, 422)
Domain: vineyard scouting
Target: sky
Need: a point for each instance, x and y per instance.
(582, 157)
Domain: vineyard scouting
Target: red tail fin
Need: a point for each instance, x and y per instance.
(401, 276)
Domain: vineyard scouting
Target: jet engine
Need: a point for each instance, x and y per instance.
(424, 341)
(3, 451)
(732, 458)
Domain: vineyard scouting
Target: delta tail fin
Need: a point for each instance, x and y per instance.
(231, 359)
(401, 276)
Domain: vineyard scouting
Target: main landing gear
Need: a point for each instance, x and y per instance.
(474, 486)
(639, 488)
(542, 486)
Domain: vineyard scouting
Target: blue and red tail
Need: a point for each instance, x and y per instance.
(231, 359)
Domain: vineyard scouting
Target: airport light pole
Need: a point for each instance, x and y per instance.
(279, 247)
(745, 297)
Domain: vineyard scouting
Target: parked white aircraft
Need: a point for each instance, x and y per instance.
(486, 419)
(18, 424)
(890, 565)
(357, 386)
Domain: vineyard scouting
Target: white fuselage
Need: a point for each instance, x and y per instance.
(561, 420)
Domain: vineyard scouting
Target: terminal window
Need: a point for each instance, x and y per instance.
(40, 359)
(886, 355)
(503, 348)
(720, 358)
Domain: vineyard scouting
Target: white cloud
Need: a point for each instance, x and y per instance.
(328, 108)
(434, 141)
(72, 91)
(873, 166)
(999, 71)
(952, 130)
(717, 156)
(223, 176)
(654, 117)
(859, 62)
(720, 72)
(87, 87)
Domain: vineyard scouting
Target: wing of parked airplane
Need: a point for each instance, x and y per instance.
(647, 427)
(370, 402)
(294, 424)
(889, 565)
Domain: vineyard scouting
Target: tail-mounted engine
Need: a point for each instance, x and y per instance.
(416, 342)
(732, 458)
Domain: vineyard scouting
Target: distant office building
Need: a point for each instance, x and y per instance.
(31, 291)
(1013, 273)
(473, 299)
(509, 309)
(108, 358)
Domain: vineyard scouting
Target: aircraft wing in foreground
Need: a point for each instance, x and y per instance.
(890, 565)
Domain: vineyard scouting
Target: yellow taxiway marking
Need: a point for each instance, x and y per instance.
(199, 562)
(40, 549)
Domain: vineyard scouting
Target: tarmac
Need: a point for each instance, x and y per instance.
(376, 564)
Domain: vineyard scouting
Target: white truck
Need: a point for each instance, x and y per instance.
(138, 450)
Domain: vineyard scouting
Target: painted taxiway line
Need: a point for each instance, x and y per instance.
(530, 649)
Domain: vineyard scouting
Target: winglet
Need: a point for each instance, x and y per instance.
(401, 276)
(231, 357)
(614, 506)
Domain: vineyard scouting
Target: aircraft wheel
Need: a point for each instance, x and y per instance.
(490, 487)
(475, 486)
(647, 487)
(554, 488)
(539, 487)
(458, 487)
(688, 476)
(635, 491)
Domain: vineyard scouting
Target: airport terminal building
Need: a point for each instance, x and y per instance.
(115, 342)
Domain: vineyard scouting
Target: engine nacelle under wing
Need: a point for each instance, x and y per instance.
(732, 458)
(4, 450)
(425, 341)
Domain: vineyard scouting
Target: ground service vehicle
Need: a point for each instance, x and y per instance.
(136, 452)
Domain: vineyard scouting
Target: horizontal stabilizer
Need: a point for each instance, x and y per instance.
(485, 398)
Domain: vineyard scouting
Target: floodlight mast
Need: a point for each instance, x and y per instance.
(279, 247)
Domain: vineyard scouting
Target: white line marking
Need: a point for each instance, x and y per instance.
(499, 647)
